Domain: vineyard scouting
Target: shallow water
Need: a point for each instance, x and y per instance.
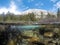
(26, 27)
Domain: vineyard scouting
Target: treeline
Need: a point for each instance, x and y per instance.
(12, 17)
(28, 17)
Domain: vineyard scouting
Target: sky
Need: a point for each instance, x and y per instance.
(18, 6)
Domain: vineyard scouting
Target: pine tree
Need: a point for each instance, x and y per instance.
(3, 16)
(41, 15)
(58, 13)
(48, 16)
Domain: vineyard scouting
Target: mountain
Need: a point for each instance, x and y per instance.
(35, 11)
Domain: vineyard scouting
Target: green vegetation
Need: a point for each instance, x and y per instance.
(30, 37)
(27, 17)
(12, 17)
(15, 36)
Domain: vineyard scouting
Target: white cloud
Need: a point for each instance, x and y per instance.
(39, 4)
(5, 10)
(57, 4)
(26, 8)
(30, 0)
(55, 7)
(12, 8)
(19, 0)
(53, 1)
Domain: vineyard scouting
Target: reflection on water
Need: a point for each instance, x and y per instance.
(27, 32)
(26, 27)
(29, 35)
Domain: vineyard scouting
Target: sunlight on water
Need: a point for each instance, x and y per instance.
(26, 27)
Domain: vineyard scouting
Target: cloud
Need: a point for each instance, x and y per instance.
(57, 4)
(53, 1)
(30, 0)
(55, 7)
(3, 9)
(39, 4)
(25, 8)
(12, 8)
(19, 0)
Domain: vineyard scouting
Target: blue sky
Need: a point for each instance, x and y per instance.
(22, 5)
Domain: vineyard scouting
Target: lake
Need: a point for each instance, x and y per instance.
(26, 27)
